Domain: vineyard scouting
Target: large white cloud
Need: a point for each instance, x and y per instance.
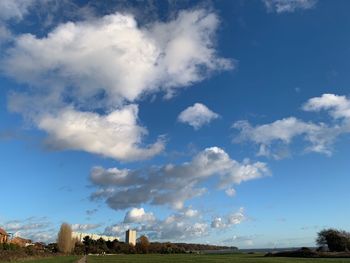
(82, 74)
(115, 55)
(319, 136)
(197, 115)
(287, 6)
(172, 184)
(115, 135)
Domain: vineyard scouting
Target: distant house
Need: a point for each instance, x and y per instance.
(22, 242)
(3, 236)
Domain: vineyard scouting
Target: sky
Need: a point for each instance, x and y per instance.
(221, 122)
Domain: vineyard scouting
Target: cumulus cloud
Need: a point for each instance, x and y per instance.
(186, 224)
(337, 106)
(232, 219)
(182, 225)
(172, 184)
(288, 6)
(319, 136)
(138, 215)
(83, 92)
(115, 135)
(127, 61)
(197, 115)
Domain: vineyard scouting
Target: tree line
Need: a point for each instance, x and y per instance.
(66, 244)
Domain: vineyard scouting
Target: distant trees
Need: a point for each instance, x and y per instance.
(142, 245)
(336, 240)
(65, 243)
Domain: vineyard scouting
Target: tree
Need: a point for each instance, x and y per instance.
(336, 240)
(143, 245)
(65, 243)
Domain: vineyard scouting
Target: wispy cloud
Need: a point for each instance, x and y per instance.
(288, 6)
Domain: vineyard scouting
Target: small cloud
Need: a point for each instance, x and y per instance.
(197, 115)
(138, 215)
(230, 192)
(288, 6)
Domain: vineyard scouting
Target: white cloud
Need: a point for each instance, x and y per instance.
(15, 9)
(117, 230)
(126, 62)
(115, 135)
(183, 225)
(33, 228)
(285, 6)
(186, 224)
(84, 227)
(83, 92)
(197, 115)
(337, 106)
(189, 212)
(25, 225)
(319, 136)
(138, 215)
(230, 192)
(232, 219)
(172, 184)
(218, 222)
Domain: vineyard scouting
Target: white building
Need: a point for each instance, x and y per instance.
(130, 237)
(80, 236)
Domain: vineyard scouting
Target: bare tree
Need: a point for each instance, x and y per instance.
(65, 242)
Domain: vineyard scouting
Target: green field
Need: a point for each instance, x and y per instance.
(187, 258)
(66, 259)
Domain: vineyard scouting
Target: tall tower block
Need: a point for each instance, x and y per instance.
(130, 237)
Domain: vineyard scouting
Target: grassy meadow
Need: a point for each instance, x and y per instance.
(63, 259)
(190, 258)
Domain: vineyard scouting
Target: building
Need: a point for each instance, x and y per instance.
(80, 236)
(22, 242)
(3, 236)
(130, 237)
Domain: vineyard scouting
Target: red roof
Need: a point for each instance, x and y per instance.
(3, 232)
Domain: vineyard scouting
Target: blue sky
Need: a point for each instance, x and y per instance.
(224, 122)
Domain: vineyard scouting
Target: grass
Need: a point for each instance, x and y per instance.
(60, 259)
(188, 258)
